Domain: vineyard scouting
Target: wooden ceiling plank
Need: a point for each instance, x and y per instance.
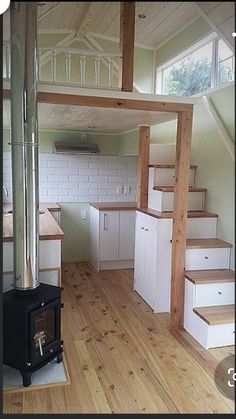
(43, 15)
(229, 42)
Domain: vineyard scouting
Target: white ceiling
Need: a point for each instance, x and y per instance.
(83, 118)
(163, 19)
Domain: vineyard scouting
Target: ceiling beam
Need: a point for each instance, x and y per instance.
(214, 26)
(127, 33)
(82, 18)
(48, 11)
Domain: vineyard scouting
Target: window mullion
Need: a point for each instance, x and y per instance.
(214, 68)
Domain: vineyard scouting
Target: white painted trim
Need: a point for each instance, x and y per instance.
(75, 89)
(219, 125)
(214, 27)
(188, 50)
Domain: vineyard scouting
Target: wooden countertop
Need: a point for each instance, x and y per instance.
(48, 227)
(169, 214)
(114, 206)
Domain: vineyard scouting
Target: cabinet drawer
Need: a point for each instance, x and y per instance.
(217, 258)
(214, 294)
(221, 335)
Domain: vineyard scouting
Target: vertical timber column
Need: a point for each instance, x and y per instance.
(127, 31)
(143, 166)
(180, 212)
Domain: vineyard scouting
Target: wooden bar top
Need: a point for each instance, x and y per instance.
(48, 227)
(114, 206)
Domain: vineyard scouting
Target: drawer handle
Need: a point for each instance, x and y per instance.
(206, 257)
(142, 228)
(219, 292)
(146, 229)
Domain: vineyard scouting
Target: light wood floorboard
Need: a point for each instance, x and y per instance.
(123, 358)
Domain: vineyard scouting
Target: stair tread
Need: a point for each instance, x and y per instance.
(169, 214)
(171, 189)
(206, 243)
(168, 166)
(216, 314)
(210, 276)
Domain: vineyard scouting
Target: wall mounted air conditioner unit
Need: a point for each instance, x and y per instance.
(76, 147)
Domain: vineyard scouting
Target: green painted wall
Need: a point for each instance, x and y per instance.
(183, 40)
(75, 246)
(108, 143)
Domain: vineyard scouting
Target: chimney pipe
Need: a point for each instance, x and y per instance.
(24, 144)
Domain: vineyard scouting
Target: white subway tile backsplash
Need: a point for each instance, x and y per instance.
(58, 164)
(88, 172)
(81, 178)
(87, 185)
(98, 178)
(78, 164)
(77, 178)
(108, 172)
(48, 171)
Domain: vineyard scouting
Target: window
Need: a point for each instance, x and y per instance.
(201, 67)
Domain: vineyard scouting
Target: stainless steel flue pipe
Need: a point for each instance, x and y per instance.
(24, 143)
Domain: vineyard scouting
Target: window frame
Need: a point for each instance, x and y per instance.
(214, 38)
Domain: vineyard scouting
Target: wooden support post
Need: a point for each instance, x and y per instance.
(143, 163)
(180, 212)
(127, 31)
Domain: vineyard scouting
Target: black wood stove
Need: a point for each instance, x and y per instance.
(32, 329)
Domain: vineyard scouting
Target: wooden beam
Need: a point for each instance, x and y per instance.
(108, 102)
(180, 211)
(143, 170)
(127, 31)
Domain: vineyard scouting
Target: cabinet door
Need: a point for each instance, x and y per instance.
(139, 251)
(150, 262)
(126, 235)
(109, 230)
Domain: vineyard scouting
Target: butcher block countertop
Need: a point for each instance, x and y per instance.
(48, 227)
(114, 206)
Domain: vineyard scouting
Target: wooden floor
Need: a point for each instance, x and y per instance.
(121, 357)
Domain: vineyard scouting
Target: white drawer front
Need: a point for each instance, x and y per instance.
(207, 259)
(214, 294)
(195, 201)
(221, 335)
(201, 228)
(166, 177)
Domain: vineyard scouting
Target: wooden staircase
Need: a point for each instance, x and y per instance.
(209, 283)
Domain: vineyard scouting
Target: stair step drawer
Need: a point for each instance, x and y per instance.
(214, 294)
(217, 258)
(164, 201)
(201, 228)
(221, 335)
(166, 176)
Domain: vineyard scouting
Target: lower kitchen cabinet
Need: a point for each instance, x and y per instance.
(152, 262)
(49, 263)
(112, 238)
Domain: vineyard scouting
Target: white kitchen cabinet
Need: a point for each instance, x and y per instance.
(108, 229)
(112, 238)
(152, 262)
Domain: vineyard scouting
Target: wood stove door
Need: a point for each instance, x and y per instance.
(45, 324)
